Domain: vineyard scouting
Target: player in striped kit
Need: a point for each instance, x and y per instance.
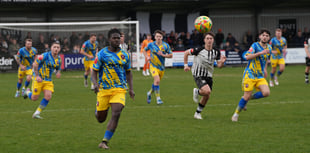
(202, 70)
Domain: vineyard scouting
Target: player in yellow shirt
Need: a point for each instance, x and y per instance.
(144, 44)
(279, 45)
(253, 75)
(159, 51)
(44, 67)
(114, 68)
(89, 50)
(24, 58)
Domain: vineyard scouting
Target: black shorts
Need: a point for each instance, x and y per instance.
(307, 61)
(202, 81)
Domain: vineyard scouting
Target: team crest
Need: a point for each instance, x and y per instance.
(97, 103)
(35, 90)
(123, 57)
(246, 85)
(153, 72)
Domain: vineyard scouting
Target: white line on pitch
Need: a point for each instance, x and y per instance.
(167, 106)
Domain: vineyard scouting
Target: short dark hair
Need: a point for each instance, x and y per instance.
(55, 42)
(264, 30)
(113, 31)
(209, 33)
(92, 34)
(30, 40)
(278, 29)
(159, 32)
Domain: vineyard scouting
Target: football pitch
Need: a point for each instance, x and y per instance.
(277, 124)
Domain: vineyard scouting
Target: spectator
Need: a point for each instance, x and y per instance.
(188, 41)
(73, 39)
(102, 41)
(80, 41)
(248, 39)
(8, 39)
(237, 48)
(231, 39)
(86, 36)
(171, 39)
(65, 48)
(13, 47)
(228, 47)
(46, 47)
(52, 39)
(306, 33)
(197, 39)
(182, 37)
(164, 37)
(179, 46)
(298, 40)
(219, 38)
(57, 38)
(3, 46)
(40, 44)
(28, 36)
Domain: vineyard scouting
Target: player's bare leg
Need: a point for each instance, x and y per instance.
(43, 104)
(205, 92)
(281, 69)
(242, 103)
(272, 77)
(85, 77)
(155, 88)
(19, 84)
(27, 82)
(116, 109)
(307, 74)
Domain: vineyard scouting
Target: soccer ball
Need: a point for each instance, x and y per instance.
(203, 24)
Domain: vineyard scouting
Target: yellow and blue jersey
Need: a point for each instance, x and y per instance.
(47, 64)
(256, 66)
(90, 49)
(158, 61)
(26, 57)
(112, 67)
(278, 45)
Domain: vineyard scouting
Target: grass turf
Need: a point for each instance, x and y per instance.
(279, 123)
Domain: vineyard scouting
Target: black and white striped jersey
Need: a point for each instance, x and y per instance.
(203, 65)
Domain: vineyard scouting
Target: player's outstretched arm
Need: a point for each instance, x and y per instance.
(130, 84)
(94, 80)
(186, 54)
(145, 55)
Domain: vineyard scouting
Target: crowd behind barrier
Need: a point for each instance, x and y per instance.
(71, 44)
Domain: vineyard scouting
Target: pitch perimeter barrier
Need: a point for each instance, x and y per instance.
(75, 61)
(8, 63)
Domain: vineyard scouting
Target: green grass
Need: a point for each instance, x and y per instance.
(277, 124)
